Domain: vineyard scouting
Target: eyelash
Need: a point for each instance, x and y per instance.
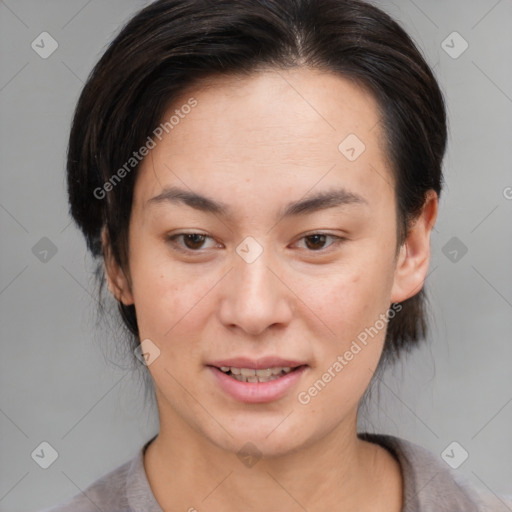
(337, 241)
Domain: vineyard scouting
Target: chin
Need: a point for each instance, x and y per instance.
(269, 438)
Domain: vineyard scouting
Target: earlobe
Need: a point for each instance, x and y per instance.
(414, 257)
(117, 282)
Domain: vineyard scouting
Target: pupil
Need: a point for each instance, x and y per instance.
(317, 237)
(196, 239)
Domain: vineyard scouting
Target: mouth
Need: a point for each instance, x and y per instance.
(257, 381)
(260, 375)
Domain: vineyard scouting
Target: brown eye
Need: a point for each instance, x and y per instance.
(192, 242)
(315, 242)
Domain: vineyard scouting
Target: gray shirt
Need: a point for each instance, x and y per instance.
(429, 485)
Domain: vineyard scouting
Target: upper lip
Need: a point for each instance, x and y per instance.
(257, 364)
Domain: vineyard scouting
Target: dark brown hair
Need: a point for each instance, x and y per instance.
(173, 44)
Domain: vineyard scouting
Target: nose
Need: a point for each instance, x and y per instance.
(255, 297)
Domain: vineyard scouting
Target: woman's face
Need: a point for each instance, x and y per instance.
(257, 275)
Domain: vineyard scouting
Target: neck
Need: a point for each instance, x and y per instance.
(339, 472)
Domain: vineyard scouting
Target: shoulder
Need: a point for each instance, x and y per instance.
(125, 489)
(429, 484)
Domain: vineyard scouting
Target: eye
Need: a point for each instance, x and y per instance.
(191, 241)
(194, 242)
(316, 241)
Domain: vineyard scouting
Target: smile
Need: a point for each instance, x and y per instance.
(252, 375)
(259, 385)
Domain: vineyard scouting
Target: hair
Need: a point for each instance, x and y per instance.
(172, 45)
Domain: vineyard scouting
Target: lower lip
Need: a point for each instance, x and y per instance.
(257, 392)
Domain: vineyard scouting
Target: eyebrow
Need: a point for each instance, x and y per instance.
(313, 203)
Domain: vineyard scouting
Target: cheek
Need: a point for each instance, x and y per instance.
(165, 295)
(166, 304)
(352, 300)
(351, 306)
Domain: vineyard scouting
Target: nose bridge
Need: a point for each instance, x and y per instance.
(254, 298)
(254, 277)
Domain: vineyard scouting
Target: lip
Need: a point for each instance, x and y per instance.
(257, 364)
(257, 392)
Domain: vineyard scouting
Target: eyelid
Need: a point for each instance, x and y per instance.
(337, 240)
(180, 248)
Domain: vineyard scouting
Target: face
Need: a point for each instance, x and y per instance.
(285, 264)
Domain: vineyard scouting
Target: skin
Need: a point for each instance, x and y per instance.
(257, 143)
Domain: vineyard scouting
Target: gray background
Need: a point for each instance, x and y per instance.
(60, 378)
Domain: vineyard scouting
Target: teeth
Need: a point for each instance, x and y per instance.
(264, 373)
(277, 370)
(261, 375)
(241, 378)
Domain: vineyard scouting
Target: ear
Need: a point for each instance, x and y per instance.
(117, 281)
(414, 256)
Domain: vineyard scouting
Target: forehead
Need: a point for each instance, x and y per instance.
(276, 131)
